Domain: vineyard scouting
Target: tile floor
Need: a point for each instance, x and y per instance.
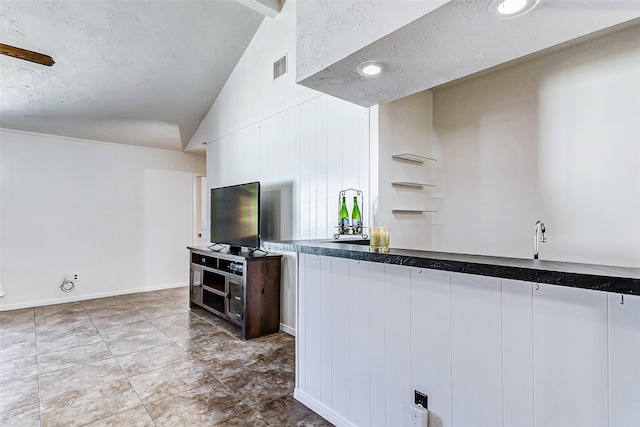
(142, 360)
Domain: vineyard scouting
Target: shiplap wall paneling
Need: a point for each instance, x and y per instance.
(377, 319)
(336, 152)
(431, 340)
(265, 150)
(294, 124)
(476, 350)
(359, 345)
(326, 334)
(247, 156)
(355, 151)
(284, 163)
(517, 353)
(304, 125)
(321, 145)
(570, 357)
(333, 156)
(310, 129)
(340, 326)
(624, 360)
(397, 343)
(301, 323)
(364, 178)
(323, 171)
(312, 326)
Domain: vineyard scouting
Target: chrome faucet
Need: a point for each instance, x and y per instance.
(538, 236)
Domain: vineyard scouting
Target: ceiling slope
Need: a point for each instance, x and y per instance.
(132, 72)
(458, 39)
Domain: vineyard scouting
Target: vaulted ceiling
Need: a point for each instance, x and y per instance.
(146, 72)
(139, 72)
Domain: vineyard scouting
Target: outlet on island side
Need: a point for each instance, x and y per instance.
(418, 413)
(74, 277)
(421, 399)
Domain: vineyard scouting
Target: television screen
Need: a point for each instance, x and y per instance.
(235, 215)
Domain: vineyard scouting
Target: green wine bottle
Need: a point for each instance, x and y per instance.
(356, 218)
(344, 217)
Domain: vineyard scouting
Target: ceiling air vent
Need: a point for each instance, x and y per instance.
(280, 67)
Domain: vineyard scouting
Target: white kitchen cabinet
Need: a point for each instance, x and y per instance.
(570, 357)
(624, 360)
(476, 345)
(517, 353)
(431, 340)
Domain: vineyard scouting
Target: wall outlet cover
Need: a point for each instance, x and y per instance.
(418, 416)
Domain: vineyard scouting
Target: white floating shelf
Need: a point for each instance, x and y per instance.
(413, 158)
(411, 184)
(410, 211)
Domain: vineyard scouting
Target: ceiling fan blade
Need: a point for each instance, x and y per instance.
(27, 55)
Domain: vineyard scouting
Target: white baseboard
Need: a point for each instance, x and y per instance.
(85, 297)
(318, 407)
(287, 329)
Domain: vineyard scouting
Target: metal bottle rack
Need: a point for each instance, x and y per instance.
(349, 229)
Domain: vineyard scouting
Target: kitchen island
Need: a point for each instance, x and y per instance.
(492, 341)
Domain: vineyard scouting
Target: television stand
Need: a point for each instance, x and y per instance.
(243, 289)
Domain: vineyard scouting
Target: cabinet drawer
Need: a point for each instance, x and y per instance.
(204, 260)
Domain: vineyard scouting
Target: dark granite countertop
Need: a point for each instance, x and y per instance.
(624, 280)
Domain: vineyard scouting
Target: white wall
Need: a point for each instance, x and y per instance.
(317, 148)
(120, 216)
(282, 134)
(552, 139)
(250, 94)
(405, 127)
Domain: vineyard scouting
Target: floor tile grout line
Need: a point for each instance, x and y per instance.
(35, 338)
(264, 350)
(125, 377)
(207, 371)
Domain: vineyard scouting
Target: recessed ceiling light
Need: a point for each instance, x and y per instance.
(510, 8)
(370, 68)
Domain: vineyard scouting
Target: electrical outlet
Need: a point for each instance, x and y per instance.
(74, 277)
(418, 416)
(421, 399)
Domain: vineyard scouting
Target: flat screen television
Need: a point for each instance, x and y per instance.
(235, 216)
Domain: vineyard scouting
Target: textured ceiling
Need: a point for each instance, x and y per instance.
(457, 39)
(132, 72)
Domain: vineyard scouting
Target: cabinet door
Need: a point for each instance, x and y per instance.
(624, 360)
(196, 285)
(570, 357)
(235, 294)
(476, 346)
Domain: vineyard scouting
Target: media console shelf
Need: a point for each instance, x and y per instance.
(242, 289)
